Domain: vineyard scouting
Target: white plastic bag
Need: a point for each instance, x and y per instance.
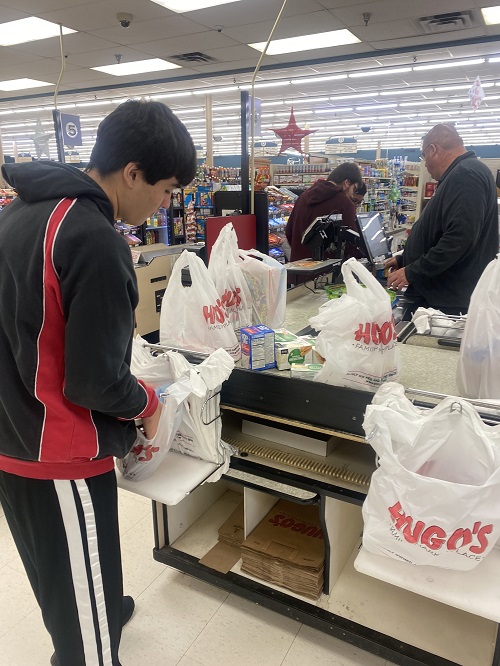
(194, 317)
(357, 337)
(200, 429)
(146, 455)
(435, 499)
(478, 371)
(266, 279)
(191, 403)
(225, 270)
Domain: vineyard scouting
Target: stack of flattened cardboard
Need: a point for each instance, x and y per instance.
(287, 548)
(224, 555)
(232, 531)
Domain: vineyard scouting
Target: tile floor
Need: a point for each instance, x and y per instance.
(179, 620)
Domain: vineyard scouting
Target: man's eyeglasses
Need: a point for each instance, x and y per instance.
(423, 151)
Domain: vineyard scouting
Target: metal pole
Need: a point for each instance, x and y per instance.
(209, 130)
(244, 153)
(2, 161)
(252, 111)
(56, 117)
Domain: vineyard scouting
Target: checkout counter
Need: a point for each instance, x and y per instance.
(406, 614)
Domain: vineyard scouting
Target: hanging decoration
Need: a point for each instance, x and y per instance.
(291, 136)
(476, 94)
(41, 140)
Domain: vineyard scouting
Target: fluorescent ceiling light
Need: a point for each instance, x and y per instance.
(29, 30)
(318, 79)
(183, 6)
(306, 100)
(136, 67)
(22, 84)
(354, 96)
(320, 40)
(375, 106)
(496, 59)
(378, 72)
(406, 91)
(439, 65)
(341, 109)
(425, 102)
(173, 94)
(212, 91)
(491, 15)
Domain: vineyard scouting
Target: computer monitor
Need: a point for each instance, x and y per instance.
(374, 240)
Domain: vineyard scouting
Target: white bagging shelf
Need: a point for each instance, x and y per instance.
(473, 591)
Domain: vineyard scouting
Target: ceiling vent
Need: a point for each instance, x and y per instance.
(196, 56)
(448, 22)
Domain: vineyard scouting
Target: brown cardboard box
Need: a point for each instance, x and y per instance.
(287, 548)
(232, 531)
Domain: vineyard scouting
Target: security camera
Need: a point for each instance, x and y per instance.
(219, 28)
(365, 128)
(125, 19)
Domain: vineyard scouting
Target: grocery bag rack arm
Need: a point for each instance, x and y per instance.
(488, 418)
(198, 356)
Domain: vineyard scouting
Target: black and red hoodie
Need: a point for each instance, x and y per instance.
(67, 297)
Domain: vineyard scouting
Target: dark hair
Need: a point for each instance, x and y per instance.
(346, 171)
(361, 190)
(147, 133)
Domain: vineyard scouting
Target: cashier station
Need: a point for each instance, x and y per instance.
(408, 615)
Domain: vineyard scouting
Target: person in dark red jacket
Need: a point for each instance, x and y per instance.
(67, 397)
(324, 197)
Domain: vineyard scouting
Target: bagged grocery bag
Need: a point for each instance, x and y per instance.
(146, 455)
(435, 498)
(478, 370)
(225, 270)
(266, 279)
(199, 432)
(194, 318)
(357, 336)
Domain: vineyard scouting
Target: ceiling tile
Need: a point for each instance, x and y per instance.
(36, 6)
(243, 13)
(202, 41)
(387, 10)
(11, 13)
(106, 57)
(147, 31)
(78, 42)
(291, 26)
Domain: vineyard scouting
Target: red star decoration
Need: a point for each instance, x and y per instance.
(291, 136)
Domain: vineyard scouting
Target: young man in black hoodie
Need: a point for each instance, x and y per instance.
(67, 398)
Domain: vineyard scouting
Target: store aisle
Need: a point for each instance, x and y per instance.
(179, 620)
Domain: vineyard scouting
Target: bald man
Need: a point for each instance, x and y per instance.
(457, 234)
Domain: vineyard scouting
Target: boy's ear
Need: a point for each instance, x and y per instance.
(130, 173)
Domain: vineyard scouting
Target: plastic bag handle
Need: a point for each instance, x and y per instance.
(352, 267)
(192, 261)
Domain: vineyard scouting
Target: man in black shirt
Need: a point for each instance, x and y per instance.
(457, 234)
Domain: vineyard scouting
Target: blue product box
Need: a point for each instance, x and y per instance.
(257, 348)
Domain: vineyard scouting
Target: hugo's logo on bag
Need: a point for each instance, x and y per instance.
(280, 520)
(144, 452)
(213, 313)
(372, 333)
(231, 298)
(434, 537)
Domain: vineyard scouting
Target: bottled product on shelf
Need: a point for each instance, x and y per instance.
(6, 196)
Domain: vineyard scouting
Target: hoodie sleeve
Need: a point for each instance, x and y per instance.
(99, 296)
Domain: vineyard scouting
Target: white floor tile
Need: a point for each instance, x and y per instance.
(318, 649)
(185, 661)
(139, 570)
(131, 511)
(139, 647)
(16, 598)
(246, 634)
(27, 643)
(176, 608)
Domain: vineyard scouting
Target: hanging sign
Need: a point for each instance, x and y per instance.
(342, 144)
(476, 94)
(71, 130)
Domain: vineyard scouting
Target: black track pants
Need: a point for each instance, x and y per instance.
(67, 535)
